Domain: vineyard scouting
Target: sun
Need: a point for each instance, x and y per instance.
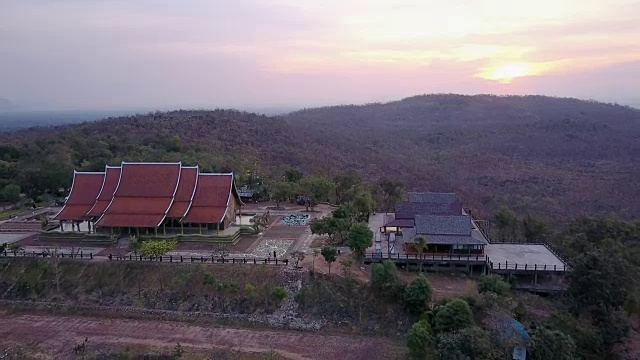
(505, 73)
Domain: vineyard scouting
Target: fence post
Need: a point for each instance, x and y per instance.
(192, 259)
(265, 261)
(201, 259)
(80, 254)
(160, 258)
(525, 266)
(180, 258)
(170, 258)
(110, 257)
(516, 266)
(554, 267)
(254, 260)
(535, 267)
(276, 261)
(91, 256)
(233, 260)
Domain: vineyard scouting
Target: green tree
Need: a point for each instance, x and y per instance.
(551, 344)
(345, 183)
(417, 294)
(282, 191)
(534, 228)
(316, 188)
(506, 222)
(359, 238)
(156, 248)
(10, 193)
(420, 340)
(329, 253)
(470, 343)
(293, 175)
(384, 276)
(391, 192)
(420, 243)
(363, 204)
(455, 315)
(596, 281)
(493, 283)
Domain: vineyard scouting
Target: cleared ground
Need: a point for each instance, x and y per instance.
(522, 254)
(59, 334)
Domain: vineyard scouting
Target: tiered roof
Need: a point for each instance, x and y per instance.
(84, 191)
(144, 194)
(109, 185)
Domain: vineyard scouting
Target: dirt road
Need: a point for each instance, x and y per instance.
(58, 334)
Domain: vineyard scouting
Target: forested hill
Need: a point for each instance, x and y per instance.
(555, 157)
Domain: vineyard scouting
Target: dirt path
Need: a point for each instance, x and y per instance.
(58, 335)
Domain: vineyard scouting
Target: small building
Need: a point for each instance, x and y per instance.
(440, 219)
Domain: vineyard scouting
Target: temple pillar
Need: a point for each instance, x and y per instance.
(155, 231)
(138, 232)
(181, 228)
(164, 229)
(200, 228)
(217, 228)
(146, 230)
(61, 226)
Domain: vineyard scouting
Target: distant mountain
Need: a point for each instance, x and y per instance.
(5, 105)
(551, 156)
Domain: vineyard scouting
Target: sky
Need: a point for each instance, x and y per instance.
(115, 54)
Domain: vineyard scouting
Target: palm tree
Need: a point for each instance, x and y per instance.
(420, 243)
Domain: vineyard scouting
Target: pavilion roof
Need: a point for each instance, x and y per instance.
(111, 178)
(211, 198)
(185, 192)
(85, 189)
(143, 196)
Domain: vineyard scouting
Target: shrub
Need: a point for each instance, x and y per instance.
(420, 340)
(279, 292)
(157, 247)
(494, 284)
(453, 316)
(418, 294)
(250, 290)
(384, 276)
(208, 279)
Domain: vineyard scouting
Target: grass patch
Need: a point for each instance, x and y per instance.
(176, 287)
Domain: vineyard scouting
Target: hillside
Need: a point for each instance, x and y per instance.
(556, 157)
(549, 155)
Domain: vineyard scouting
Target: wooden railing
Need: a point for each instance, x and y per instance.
(426, 257)
(164, 258)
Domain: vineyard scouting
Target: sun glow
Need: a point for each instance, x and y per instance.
(505, 73)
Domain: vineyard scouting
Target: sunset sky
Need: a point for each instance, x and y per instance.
(114, 54)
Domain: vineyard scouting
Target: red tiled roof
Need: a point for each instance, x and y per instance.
(144, 194)
(210, 199)
(84, 191)
(106, 192)
(186, 190)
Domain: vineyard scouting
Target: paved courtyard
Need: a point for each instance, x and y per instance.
(522, 254)
(6, 238)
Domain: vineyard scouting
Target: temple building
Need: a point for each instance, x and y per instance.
(151, 198)
(438, 218)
